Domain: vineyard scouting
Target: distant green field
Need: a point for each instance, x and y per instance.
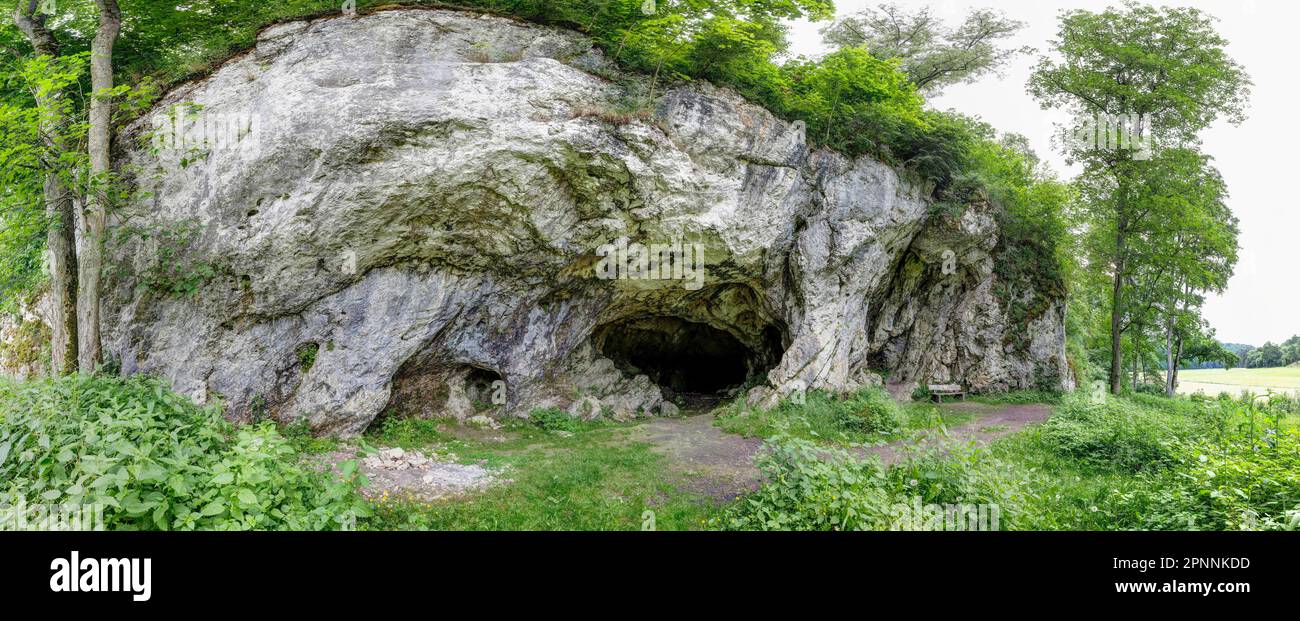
(1214, 381)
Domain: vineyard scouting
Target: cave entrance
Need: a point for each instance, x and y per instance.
(426, 387)
(694, 361)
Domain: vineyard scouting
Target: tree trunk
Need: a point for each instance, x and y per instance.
(60, 253)
(60, 245)
(1178, 360)
(1170, 360)
(91, 250)
(1116, 317)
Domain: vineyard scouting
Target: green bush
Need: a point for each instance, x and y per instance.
(1117, 433)
(555, 419)
(1234, 486)
(1020, 397)
(937, 476)
(154, 460)
(863, 416)
(809, 487)
(870, 410)
(1245, 475)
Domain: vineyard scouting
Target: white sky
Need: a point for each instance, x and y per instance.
(1262, 302)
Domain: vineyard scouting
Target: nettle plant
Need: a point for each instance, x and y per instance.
(153, 460)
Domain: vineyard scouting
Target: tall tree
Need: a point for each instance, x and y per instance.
(91, 245)
(933, 55)
(59, 200)
(1165, 72)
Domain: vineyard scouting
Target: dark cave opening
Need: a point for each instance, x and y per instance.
(686, 358)
(426, 387)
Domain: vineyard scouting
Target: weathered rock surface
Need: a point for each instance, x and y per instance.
(416, 219)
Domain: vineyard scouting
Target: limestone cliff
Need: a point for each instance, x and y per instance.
(425, 209)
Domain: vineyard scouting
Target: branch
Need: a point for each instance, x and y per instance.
(32, 23)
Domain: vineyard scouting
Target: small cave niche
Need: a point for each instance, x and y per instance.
(426, 387)
(696, 361)
(482, 388)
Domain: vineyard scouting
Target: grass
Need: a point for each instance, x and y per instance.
(868, 416)
(591, 478)
(1018, 397)
(1141, 462)
(1057, 492)
(821, 418)
(1234, 381)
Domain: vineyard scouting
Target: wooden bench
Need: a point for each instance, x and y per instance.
(939, 391)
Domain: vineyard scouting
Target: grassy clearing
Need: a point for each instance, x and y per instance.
(1238, 381)
(1278, 377)
(591, 478)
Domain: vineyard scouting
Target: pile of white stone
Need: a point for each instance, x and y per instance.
(397, 470)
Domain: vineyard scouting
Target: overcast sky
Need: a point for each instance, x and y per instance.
(1262, 302)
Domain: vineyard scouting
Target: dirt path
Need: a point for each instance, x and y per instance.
(709, 460)
(721, 465)
(990, 423)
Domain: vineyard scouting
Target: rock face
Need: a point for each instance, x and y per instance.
(439, 213)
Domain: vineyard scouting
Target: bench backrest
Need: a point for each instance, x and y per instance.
(945, 388)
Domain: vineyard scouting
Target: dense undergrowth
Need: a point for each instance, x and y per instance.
(865, 416)
(155, 461)
(1137, 463)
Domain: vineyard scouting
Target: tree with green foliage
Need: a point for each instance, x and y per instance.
(932, 55)
(94, 221)
(1202, 348)
(1266, 356)
(1166, 72)
(41, 141)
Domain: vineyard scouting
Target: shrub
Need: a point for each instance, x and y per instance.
(870, 410)
(555, 419)
(937, 476)
(1246, 475)
(859, 417)
(1117, 433)
(1148, 388)
(808, 487)
(154, 460)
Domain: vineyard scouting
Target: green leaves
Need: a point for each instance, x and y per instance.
(811, 487)
(157, 461)
(215, 507)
